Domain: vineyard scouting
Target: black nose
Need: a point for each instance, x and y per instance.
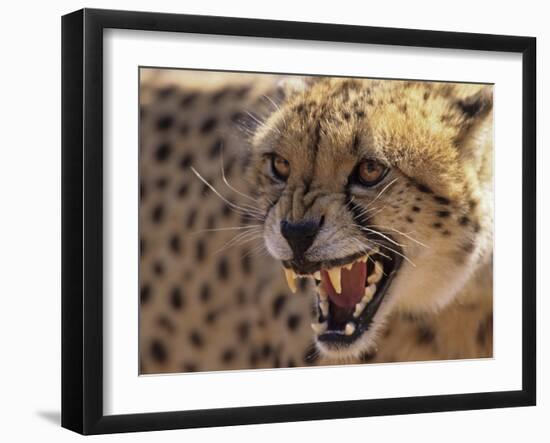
(300, 235)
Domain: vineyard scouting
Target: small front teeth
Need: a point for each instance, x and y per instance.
(376, 276)
(319, 328)
(350, 328)
(336, 279)
(367, 297)
(290, 276)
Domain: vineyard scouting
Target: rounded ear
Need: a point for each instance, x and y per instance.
(478, 105)
(475, 129)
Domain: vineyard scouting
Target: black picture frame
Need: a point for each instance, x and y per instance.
(82, 220)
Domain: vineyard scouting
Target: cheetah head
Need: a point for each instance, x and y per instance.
(377, 191)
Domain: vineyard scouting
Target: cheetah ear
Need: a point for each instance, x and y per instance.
(289, 86)
(477, 106)
(474, 127)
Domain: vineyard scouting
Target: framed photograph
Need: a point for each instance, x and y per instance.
(270, 221)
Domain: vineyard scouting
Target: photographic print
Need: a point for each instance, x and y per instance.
(293, 220)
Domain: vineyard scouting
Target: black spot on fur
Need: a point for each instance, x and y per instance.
(165, 122)
(253, 357)
(228, 355)
(446, 233)
(464, 221)
(216, 148)
(360, 114)
(176, 298)
(425, 336)
(200, 250)
(145, 294)
(189, 367)
(219, 95)
(437, 225)
(186, 161)
(165, 323)
(291, 363)
(293, 321)
(223, 269)
(346, 116)
(142, 191)
(484, 330)
(416, 209)
(468, 247)
(423, 188)
(175, 244)
(166, 92)
(242, 92)
(158, 351)
(278, 304)
(191, 219)
(409, 219)
(183, 190)
(243, 331)
(443, 214)
(158, 268)
(211, 222)
(189, 99)
(158, 214)
(246, 262)
(163, 152)
(442, 200)
(161, 182)
(240, 295)
(196, 339)
(477, 227)
(426, 96)
(205, 293)
(266, 350)
(208, 125)
(472, 204)
(226, 210)
(211, 317)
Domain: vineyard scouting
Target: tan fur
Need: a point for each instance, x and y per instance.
(418, 136)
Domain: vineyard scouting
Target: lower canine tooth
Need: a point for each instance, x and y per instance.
(335, 279)
(369, 293)
(359, 308)
(319, 328)
(290, 276)
(323, 305)
(350, 328)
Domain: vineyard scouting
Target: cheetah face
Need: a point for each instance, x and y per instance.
(365, 194)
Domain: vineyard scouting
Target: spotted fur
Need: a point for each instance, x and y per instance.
(205, 306)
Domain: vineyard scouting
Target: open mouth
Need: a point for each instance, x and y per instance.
(349, 293)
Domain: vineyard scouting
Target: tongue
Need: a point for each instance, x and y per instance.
(353, 285)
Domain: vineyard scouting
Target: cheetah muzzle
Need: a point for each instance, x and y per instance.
(349, 293)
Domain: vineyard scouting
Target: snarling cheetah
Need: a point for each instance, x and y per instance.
(294, 221)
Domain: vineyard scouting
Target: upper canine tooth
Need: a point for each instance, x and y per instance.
(350, 328)
(363, 259)
(349, 266)
(290, 279)
(336, 279)
(317, 275)
(377, 275)
(319, 328)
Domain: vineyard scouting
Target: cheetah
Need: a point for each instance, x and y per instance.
(295, 221)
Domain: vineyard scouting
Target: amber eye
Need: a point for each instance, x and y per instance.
(370, 172)
(280, 167)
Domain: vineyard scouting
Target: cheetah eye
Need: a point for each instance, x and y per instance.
(280, 167)
(370, 172)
